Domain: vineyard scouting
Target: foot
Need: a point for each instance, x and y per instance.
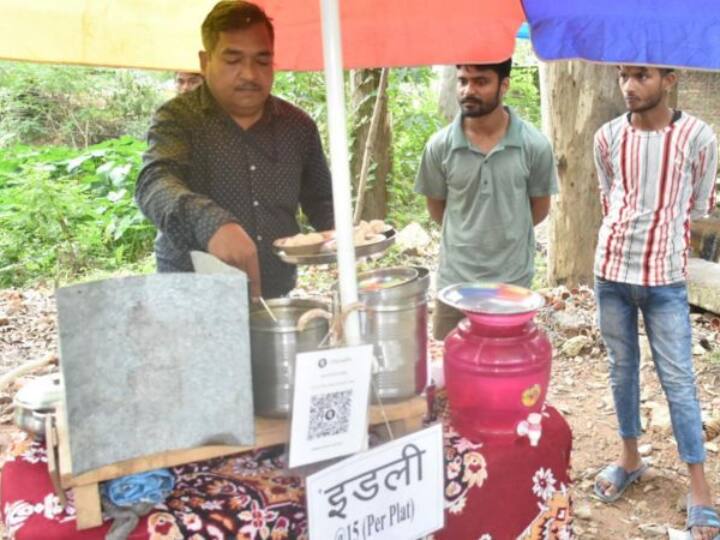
(611, 490)
(703, 522)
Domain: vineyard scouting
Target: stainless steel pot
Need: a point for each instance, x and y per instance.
(274, 346)
(395, 322)
(35, 401)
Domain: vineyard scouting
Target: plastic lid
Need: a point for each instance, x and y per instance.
(491, 298)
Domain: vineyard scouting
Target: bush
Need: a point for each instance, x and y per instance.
(65, 212)
(75, 106)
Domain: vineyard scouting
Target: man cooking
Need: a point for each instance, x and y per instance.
(227, 166)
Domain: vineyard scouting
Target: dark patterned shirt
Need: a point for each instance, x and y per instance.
(201, 171)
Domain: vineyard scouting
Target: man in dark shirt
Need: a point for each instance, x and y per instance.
(228, 164)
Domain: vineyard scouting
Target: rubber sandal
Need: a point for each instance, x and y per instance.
(619, 478)
(702, 516)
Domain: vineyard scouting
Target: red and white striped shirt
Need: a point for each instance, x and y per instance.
(651, 184)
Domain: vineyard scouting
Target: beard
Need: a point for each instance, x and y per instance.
(472, 107)
(641, 106)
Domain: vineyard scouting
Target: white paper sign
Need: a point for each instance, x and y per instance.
(330, 404)
(393, 492)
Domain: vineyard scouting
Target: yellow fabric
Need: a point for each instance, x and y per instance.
(155, 34)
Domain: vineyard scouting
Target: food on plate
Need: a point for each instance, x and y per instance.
(300, 239)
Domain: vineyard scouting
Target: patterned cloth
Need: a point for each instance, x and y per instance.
(202, 171)
(493, 491)
(651, 184)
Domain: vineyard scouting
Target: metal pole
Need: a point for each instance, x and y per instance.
(340, 163)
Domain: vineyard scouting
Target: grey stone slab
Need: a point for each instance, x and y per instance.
(704, 284)
(155, 363)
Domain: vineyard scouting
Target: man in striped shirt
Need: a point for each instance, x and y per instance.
(657, 170)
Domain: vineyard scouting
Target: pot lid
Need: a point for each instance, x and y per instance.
(41, 393)
(386, 278)
(491, 298)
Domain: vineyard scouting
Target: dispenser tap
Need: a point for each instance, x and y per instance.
(531, 428)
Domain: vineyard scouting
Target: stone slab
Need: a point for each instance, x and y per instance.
(704, 284)
(155, 363)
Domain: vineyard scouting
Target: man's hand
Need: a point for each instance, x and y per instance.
(232, 245)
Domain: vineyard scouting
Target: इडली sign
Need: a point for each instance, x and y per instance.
(394, 491)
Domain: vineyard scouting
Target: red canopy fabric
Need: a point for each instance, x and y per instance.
(397, 32)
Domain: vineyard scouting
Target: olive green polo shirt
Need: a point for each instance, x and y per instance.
(487, 229)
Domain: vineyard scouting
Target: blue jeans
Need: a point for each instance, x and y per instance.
(667, 322)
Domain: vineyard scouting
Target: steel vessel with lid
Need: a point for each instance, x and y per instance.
(395, 322)
(274, 345)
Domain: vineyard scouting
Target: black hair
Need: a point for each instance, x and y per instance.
(501, 68)
(232, 15)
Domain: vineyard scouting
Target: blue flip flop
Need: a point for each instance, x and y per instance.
(619, 478)
(702, 516)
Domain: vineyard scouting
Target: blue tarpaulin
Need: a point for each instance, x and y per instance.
(680, 33)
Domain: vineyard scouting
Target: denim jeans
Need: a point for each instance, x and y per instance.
(667, 323)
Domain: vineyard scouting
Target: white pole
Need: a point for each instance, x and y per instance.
(340, 163)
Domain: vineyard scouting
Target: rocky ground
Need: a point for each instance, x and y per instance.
(579, 389)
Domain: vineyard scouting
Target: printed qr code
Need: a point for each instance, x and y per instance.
(329, 414)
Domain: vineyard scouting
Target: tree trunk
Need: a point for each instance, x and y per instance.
(576, 99)
(364, 85)
(447, 100)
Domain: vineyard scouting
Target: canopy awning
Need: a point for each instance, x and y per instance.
(682, 33)
(165, 34)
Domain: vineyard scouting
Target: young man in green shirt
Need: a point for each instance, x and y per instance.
(488, 178)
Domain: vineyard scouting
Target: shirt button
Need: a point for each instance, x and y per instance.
(252, 167)
(256, 203)
(259, 238)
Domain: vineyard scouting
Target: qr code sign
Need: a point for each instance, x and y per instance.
(329, 414)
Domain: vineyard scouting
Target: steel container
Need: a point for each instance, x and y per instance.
(395, 322)
(274, 346)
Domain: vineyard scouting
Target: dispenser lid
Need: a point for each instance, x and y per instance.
(491, 298)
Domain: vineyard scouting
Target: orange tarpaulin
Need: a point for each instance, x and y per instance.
(165, 34)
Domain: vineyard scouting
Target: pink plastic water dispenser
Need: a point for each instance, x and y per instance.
(496, 361)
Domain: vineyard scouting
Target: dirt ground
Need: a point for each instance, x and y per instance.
(579, 389)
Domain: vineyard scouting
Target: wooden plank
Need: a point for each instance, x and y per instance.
(88, 511)
(63, 447)
(51, 449)
(268, 432)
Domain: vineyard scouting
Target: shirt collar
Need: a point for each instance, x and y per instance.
(513, 136)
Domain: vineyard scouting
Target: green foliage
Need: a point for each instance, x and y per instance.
(524, 93)
(75, 106)
(415, 117)
(64, 212)
(307, 91)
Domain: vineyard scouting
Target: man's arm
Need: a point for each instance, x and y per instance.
(704, 178)
(603, 165)
(542, 181)
(431, 182)
(436, 208)
(189, 219)
(540, 208)
(316, 187)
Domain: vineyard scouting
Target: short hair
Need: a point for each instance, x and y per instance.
(228, 15)
(501, 68)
